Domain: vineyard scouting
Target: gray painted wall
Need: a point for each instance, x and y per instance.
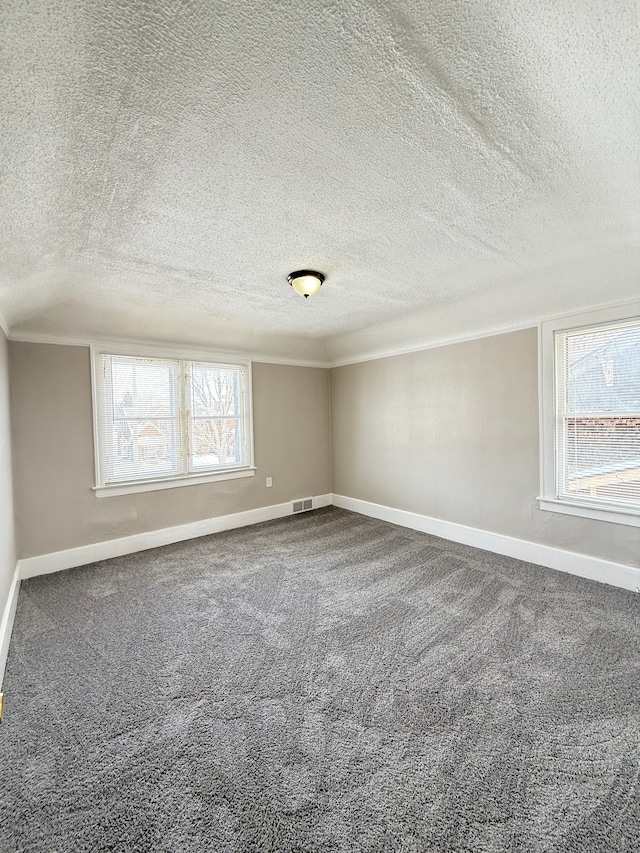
(452, 433)
(449, 432)
(54, 462)
(7, 537)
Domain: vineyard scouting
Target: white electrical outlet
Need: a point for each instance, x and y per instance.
(269, 482)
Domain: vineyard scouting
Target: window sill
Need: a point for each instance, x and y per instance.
(612, 514)
(114, 489)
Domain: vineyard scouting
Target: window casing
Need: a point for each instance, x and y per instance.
(590, 415)
(163, 422)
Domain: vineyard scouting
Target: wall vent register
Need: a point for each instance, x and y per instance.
(303, 505)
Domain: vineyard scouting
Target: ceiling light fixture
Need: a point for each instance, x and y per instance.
(305, 282)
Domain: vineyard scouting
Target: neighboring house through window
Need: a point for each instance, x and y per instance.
(590, 415)
(162, 422)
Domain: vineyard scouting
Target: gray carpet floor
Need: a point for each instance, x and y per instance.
(326, 682)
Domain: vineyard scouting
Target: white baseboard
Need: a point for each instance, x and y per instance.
(6, 626)
(30, 567)
(615, 574)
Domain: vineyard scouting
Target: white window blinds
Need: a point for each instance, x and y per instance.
(598, 414)
(166, 418)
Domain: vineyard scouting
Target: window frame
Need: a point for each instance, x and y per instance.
(185, 477)
(548, 499)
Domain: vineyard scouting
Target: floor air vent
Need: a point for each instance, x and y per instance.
(303, 505)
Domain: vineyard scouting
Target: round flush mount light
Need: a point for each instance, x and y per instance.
(305, 282)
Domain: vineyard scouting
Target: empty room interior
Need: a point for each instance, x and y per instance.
(319, 426)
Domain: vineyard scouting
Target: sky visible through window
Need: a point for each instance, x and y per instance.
(601, 424)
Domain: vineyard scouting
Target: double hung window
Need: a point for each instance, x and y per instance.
(591, 418)
(166, 421)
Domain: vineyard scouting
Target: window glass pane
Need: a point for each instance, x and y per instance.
(604, 370)
(602, 458)
(143, 389)
(142, 449)
(215, 391)
(216, 442)
(165, 417)
(140, 412)
(598, 405)
(216, 425)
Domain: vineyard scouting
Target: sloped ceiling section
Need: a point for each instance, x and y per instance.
(453, 167)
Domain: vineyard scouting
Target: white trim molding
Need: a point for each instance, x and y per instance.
(550, 499)
(202, 352)
(6, 626)
(394, 351)
(57, 561)
(324, 361)
(614, 515)
(594, 568)
(113, 489)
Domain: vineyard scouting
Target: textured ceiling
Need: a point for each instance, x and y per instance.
(453, 167)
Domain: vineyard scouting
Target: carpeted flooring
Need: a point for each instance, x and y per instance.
(326, 682)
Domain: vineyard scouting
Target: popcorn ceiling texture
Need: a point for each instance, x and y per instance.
(452, 166)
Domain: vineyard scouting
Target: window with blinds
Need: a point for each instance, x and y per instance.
(169, 418)
(597, 406)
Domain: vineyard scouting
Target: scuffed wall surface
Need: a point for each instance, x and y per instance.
(452, 433)
(54, 461)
